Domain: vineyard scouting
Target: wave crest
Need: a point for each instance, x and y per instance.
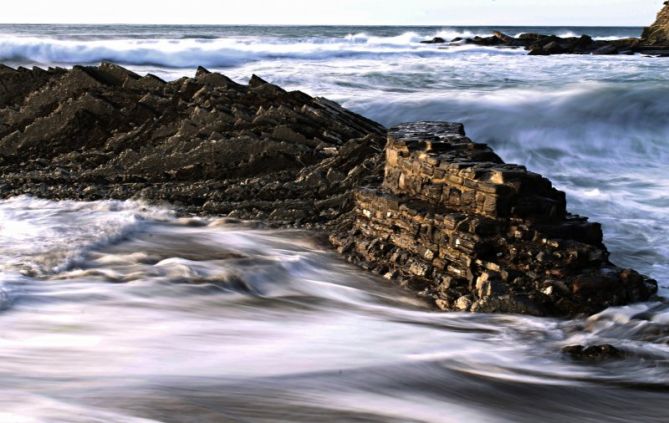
(215, 53)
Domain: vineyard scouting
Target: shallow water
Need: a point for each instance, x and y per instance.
(132, 313)
(114, 311)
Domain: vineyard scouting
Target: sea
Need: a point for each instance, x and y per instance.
(117, 311)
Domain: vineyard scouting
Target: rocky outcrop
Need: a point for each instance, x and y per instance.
(658, 33)
(654, 41)
(449, 219)
(205, 144)
(539, 44)
(456, 223)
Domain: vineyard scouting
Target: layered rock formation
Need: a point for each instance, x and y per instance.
(206, 144)
(449, 219)
(658, 33)
(455, 222)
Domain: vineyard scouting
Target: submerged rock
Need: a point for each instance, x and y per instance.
(435, 40)
(449, 219)
(593, 352)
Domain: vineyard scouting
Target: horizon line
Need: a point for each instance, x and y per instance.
(315, 25)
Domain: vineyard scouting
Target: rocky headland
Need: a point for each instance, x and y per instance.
(653, 42)
(421, 204)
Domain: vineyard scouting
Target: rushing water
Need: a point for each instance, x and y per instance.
(121, 312)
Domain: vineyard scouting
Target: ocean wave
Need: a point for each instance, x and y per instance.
(413, 37)
(610, 37)
(188, 50)
(627, 116)
(398, 40)
(41, 237)
(217, 53)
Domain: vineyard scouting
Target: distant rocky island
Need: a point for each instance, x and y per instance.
(653, 42)
(420, 204)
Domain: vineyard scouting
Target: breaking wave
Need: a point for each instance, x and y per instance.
(181, 48)
(40, 237)
(219, 53)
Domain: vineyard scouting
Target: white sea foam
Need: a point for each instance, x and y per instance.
(190, 53)
(41, 237)
(243, 322)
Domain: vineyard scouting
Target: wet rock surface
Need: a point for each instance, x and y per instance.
(604, 352)
(441, 214)
(454, 222)
(205, 144)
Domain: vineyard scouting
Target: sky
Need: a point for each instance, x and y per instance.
(337, 12)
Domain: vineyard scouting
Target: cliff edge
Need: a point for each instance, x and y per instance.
(658, 33)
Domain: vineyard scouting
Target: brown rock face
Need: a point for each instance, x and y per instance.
(658, 33)
(475, 234)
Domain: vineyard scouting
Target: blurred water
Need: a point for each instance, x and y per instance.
(114, 311)
(132, 313)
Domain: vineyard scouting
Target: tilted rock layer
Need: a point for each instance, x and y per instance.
(658, 33)
(206, 144)
(449, 219)
(475, 234)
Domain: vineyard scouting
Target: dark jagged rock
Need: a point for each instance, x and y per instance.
(206, 143)
(450, 220)
(593, 352)
(456, 223)
(544, 45)
(435, 40)
(654, 41)
(658, 33)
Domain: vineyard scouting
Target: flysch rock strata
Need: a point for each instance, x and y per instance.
(204, 144)
(456, 223)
